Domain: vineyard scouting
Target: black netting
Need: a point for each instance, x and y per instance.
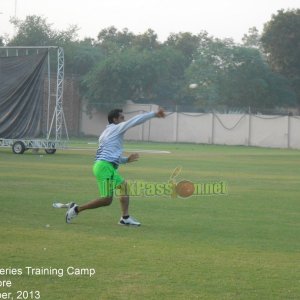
(21, 97)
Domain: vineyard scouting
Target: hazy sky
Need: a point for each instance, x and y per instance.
(220, 18)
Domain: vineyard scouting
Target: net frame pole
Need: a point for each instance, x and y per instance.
(49, 93)
(59, 94)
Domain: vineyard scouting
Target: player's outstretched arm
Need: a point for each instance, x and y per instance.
(160, 113)
(139, 119)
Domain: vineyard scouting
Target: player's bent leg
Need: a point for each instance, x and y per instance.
(124, 198)
(124, 201)
(75, 209)
(126, 219)
(96, 203)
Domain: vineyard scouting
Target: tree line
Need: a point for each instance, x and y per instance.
(262, 72)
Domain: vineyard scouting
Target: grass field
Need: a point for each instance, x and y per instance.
(242, 245)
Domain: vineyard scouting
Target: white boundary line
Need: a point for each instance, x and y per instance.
(148, 151)
(125, 150)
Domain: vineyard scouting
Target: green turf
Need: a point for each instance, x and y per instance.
(243, 245)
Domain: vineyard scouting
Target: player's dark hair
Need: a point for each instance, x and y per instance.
(113, 114)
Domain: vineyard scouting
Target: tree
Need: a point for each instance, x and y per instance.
(207, 70)
(147, 40)
(170, 65)
(134, 67)
(120, 65)
(250, 82)
(281, 43)
(35, 31)
(117, 78)
(86, 56)
(111, 40)
(252, 39)
(134, 74)
(185, 42)
(235, 77)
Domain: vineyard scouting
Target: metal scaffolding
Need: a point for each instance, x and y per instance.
(50, 143)
(58, 115)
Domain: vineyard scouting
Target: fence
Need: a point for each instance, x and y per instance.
(207, 128)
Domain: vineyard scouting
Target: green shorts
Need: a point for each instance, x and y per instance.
(108, 178)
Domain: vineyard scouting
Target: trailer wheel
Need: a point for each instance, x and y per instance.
(18, 147)
(50, 151)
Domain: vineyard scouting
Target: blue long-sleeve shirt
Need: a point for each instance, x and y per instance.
(111, 140)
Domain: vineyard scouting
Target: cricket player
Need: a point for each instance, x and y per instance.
(108, 158)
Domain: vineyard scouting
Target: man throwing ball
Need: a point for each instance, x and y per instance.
(108, 158)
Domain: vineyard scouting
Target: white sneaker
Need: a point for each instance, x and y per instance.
(129, 221)
(71, 213)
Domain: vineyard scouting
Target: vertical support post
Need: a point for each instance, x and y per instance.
(249, 129)
(59, 94)
(49, 91)
(288, 131)
(213, 129)
(176, 117)
(149, 128)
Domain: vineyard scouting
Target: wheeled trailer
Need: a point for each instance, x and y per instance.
(19, 146)
(57, 123)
